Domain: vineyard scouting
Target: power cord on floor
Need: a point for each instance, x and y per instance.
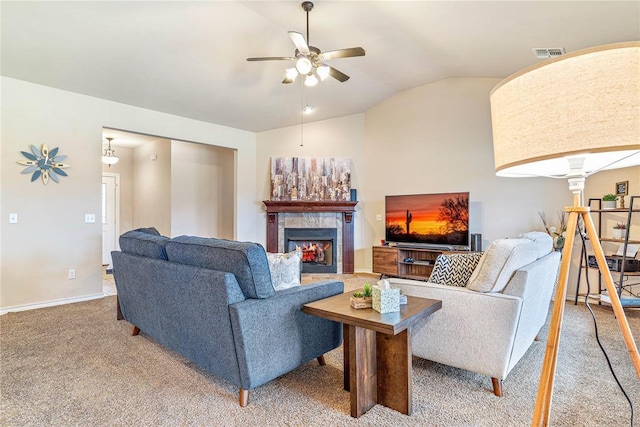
(595, 324)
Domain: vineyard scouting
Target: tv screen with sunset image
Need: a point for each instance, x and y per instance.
(428, 219)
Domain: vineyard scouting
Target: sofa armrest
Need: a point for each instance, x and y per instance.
(473, 330)
(273, 336)
(534, 283)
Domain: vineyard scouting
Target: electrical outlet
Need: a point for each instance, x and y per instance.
(13, 218)
(72, 274)
(379, 217)
(89, 217)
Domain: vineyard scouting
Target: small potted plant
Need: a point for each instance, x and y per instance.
(367, 290)
(618, 230)
(363, 298)
(609, 201)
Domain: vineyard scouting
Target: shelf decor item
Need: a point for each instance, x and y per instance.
(622, 189)
(44, 164)
(609, 201)
(557, 234)
(618, 230)
(571, 117)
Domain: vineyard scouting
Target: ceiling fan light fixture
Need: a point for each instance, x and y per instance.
(323, 71)
(291, 74)
(303, 65)
(310, 80)
(309, 59)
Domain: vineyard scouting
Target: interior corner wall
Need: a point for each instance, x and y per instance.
(51, 236)
(202, 190)
(341, 137)
(437, 138)
(152, 186)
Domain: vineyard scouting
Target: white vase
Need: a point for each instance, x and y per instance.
(608, 204)
(618, 233)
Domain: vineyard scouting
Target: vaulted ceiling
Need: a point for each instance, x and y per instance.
(189, 58)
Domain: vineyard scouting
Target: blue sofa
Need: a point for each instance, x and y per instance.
(212, 301)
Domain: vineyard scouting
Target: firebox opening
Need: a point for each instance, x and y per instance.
(317, 246)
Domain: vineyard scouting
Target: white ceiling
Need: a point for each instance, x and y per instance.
(189, 58)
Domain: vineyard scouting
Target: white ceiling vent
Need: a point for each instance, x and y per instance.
(548, 52)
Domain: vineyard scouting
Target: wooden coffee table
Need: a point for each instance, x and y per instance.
(377, 350)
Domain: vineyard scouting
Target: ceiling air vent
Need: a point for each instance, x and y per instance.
(548, 52)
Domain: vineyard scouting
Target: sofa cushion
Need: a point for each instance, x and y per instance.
(246, 260)
(144, 243)
(149, 230)
(454, 269)
(504, 257)
(285, 269)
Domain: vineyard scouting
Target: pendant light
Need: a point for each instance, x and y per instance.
(109, 157)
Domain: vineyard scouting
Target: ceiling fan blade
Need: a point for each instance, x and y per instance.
(338, 75)
(272, 58)
(341, 53)
(298, 40)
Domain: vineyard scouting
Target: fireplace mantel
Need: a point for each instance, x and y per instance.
(324, 206)
(346, 208)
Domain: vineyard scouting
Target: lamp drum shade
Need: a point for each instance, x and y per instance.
(583, 104)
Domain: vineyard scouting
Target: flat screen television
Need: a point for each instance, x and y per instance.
(430, 220)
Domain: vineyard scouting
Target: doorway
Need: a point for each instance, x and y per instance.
(110, 215)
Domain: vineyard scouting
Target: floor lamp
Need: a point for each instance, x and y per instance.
(570, 117)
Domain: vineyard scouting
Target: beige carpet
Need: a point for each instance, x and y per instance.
(75, 365)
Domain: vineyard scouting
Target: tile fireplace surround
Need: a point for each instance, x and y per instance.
(326, 214)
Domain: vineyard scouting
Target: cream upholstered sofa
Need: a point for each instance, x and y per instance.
(493, 305)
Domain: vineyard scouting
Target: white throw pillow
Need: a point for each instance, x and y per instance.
(284, 269)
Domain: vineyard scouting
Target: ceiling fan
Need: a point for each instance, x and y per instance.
(309, 60)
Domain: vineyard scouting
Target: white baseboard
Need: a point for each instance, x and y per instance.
(50, 303)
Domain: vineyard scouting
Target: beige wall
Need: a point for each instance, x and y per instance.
(202, 188)
(51, 236)
(152, 186)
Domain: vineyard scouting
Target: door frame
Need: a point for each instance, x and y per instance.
(116, 202)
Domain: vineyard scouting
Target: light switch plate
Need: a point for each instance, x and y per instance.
(13, 218)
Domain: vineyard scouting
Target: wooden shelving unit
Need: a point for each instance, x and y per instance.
(625, 285)
(390, 261)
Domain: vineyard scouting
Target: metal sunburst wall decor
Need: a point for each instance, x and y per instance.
(43, 164)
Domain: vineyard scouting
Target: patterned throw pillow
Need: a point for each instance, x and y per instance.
(284, 269)
(454, 269)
